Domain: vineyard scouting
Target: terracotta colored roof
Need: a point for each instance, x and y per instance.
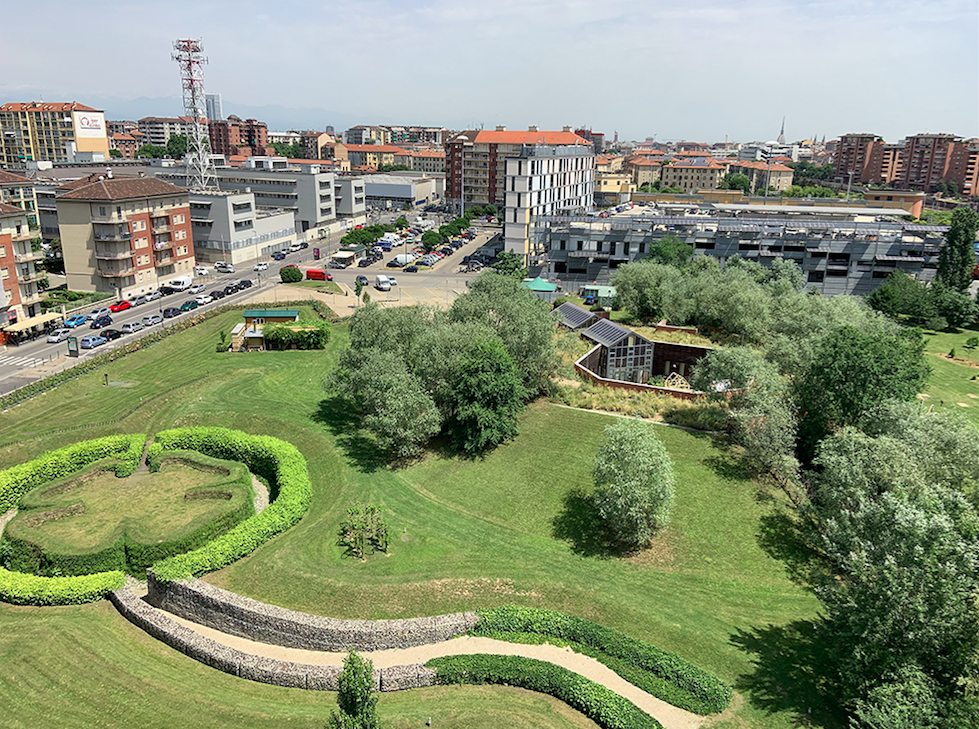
(9, 209)
(9, 178)
(45, 106)
(117, 137)
(754, 165)
(694, 153)
(493, 137)
(122, 188)
(365, 168)
(644, 161)
(428, 153)
(323, 162)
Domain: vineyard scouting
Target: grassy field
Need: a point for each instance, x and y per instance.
(951, 386)
(152, 505)
(511, 528)
(327, 287)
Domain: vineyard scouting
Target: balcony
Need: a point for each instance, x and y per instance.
(23, 278)
(163, 228)
(29, 256)
(164, 261)
(162, 245)
(116, 272)
(108, 254)
(120, 236)
(30, 297)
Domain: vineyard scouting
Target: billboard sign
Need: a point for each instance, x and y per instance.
(88, 124)
(72, 346)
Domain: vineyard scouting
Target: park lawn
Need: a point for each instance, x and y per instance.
(951, 386)
(327, 287)
(465, 534)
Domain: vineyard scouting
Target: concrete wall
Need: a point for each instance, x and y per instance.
(238, 615)
(255, 668)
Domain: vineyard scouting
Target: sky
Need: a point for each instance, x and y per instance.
(699, 70)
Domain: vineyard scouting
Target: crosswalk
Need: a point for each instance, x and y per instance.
(11, 360)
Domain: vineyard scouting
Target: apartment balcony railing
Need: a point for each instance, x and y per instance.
(30, 298)
(108, 254)
(120, 236)
(29, 277)
(29, 256)
(164, 228)
(116, 272)
(162, 245)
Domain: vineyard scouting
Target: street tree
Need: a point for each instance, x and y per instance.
(670, 250)
(152, 151)
(431, 240)
(957, 257)
(634, 483)
(177, 146)
(356, 699)
(401, 223)
(736, 181)
(510, 264)
(290, 274)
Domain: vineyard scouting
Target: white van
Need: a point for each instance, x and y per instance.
(381, 282)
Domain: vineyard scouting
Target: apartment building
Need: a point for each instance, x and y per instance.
(859, 158)
(644, 169)
(963, 167)
(762, 175)
(374, 155)
(890, 163)
(693, 174)
(157, 130)
(19, 294)
(234, 136)
(120, 127)
(54, 132)
(124, 236)
(597, 139)
(362, 134)
(925, 161)
(426, 160)
(231, 227)
(126, 144)
(476, 161)
(20, 192)
(543, 179)
(838, 256)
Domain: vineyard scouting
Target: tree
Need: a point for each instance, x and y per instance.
(152, 151)
(393, 168)
(115, 153)
(852, 372)
(363, 529)
(736, 181)
(177, 146)
(489, 396)
(290, 274)
(670, 251)
(957, 308)
(356, 699)
(957, 257)
(642, 287)
(290, 151)
(431, 240)
(490, 210)
(902, 295)
(634, 483)
(401, 223)
(509, 264)
(972, 342)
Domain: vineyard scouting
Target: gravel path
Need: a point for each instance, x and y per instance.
(668, 715)
(261, 495)
(5, 518)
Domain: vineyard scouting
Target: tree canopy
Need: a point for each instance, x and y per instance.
(957, 257)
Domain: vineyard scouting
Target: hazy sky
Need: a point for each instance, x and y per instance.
(696, 70)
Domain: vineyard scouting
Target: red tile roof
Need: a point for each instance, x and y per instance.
(10, 209)
(45, 106)
(486, 136)
(120, 188)
(9, 178)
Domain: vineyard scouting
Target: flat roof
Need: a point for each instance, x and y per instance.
(268, 313)
(814, 209)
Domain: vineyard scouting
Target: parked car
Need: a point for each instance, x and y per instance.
(154, 295)
(120, 306)
(224, 267)
(364, 262)
(362, 280)
(244, 284)
(91, 341)
(189, 305)
(261, 266)
(151, 319)
(218, 294)
(410, 269)
(392, 280)
(111, 334)
(96, 313)
(278, 256)
(196, 289)
(204, 299)
(59, 335)
(201, 270)
(102, 321)
(304, 245)
(131, 327)
(170, 312)
(75, 321)
(167, 290)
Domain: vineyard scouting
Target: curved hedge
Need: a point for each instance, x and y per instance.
(27, 589)
(664, 675)
(279, 462)
(603, 706)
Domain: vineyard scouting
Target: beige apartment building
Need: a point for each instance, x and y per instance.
(693, 174)
(124, 236)
(54, 132)
(19, 191)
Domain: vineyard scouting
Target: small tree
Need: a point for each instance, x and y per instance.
(401, 223)
(972, 342)
(431, 240)
(509, 263)
(634, 483)
(363, 529)
(290, 274)
(356, 699)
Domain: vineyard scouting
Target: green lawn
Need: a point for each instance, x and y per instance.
(327, 287)
(510, 528)
(951, 386)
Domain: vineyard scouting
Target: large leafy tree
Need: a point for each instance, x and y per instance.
(356, 699)
(642, 288)
(670, 250)
(633, 483)
(736, 181)
(957, 257)
(510, 264)
(177, 146)
(488, 395)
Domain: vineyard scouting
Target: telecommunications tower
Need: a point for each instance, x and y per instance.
(189, 55)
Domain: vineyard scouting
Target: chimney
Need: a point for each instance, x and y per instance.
(500, 128)
(569, 129)
(533, 128)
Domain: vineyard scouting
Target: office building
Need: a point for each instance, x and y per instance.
(231, 227)
(124, 236)
(54, 132)
(212, 104)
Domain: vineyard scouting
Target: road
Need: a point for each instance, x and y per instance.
(25, 363)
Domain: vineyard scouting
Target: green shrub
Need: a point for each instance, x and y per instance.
(662, 674)
(290, 274)
(18, 588)
(603, 706)
(278, 462)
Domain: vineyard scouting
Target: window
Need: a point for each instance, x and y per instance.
(4, 273)
(815, 277)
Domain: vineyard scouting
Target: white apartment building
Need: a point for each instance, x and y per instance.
(230, 227)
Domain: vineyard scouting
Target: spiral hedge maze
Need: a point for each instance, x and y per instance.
(240, 531)
(212, 546)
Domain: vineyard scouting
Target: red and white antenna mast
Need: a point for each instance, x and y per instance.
(189, 55)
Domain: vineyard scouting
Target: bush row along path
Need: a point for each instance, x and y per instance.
(668, 715)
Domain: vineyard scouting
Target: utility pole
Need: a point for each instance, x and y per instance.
(189, 55)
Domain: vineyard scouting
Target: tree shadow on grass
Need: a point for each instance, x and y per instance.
(336, 414)
(792, 671)
(781, 536)
(580, 524)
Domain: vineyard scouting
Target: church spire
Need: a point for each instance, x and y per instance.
(781, 134)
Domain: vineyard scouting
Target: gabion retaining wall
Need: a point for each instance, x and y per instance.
(238, 615)
(255, 668)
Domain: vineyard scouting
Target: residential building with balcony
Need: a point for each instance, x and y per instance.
(858, 158)
(925, 161)
(231, 136)
(126, 144)
(157, 130)
(55, 132)
(124, 236)
(20, 296)
(362, 134)
(375, 155)
(427, 160)
(693, 174)
(645, 169)
(20, 192)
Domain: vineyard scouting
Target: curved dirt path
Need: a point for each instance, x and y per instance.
(668, 715)
(261, 495)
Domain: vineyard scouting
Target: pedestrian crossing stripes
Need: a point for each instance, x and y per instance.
(12, 361)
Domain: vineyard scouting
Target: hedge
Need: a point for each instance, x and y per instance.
(126, 551)
(603, 706)
(277, 461)
(664, 675)
(28, 589)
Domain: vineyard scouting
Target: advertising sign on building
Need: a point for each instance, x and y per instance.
(88, 124)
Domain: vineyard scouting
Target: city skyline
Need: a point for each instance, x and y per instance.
(701, 72)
